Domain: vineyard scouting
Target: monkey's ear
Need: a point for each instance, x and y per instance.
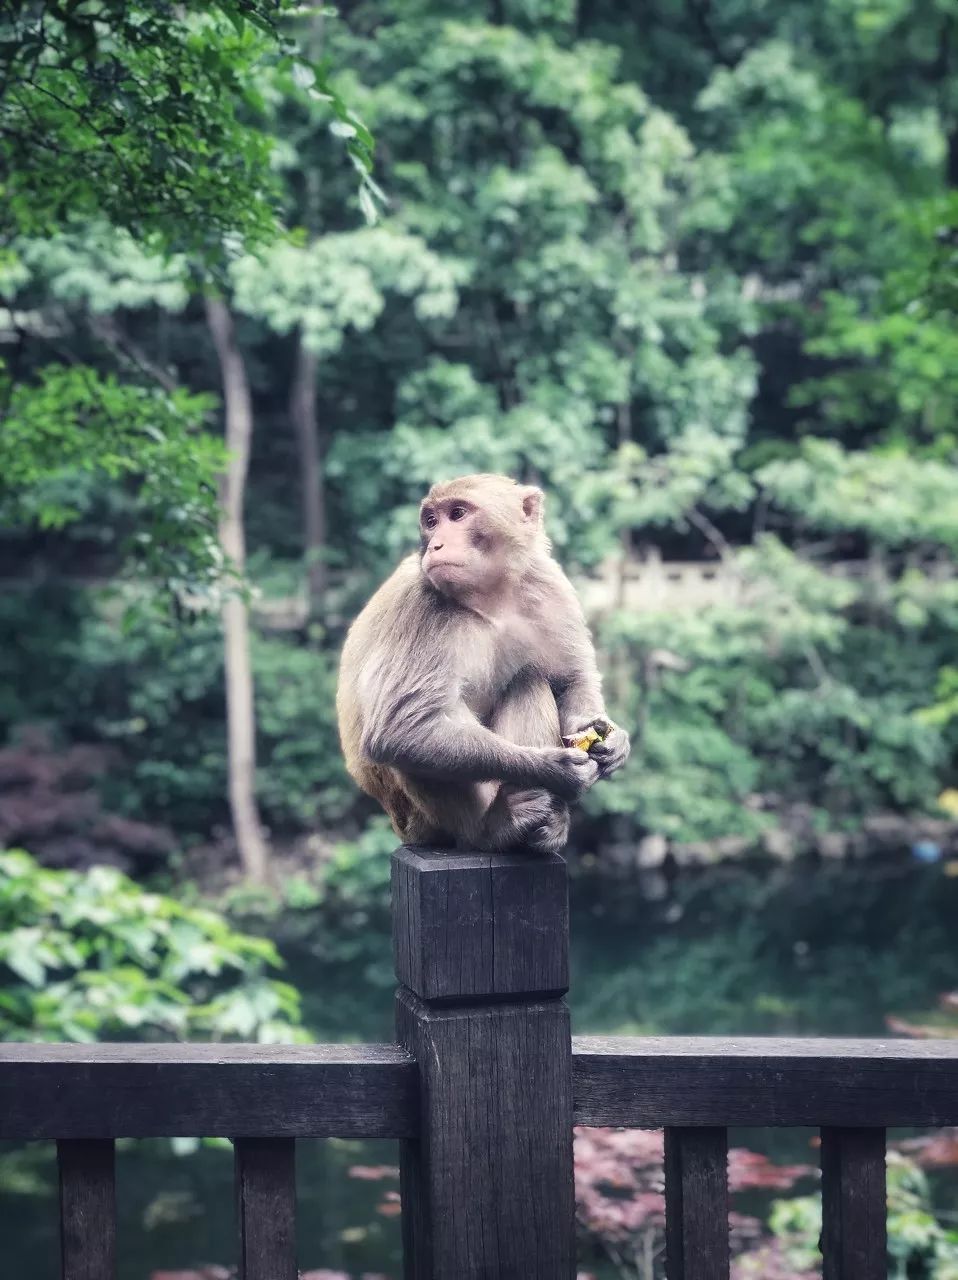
(532, 503)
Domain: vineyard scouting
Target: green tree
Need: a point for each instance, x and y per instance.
(149, 116)
(150, 120)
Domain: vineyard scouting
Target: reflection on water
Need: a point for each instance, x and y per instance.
(804, 951)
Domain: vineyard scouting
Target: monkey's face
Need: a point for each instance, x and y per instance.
(463, 551)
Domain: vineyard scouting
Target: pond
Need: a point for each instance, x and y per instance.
(806, 950)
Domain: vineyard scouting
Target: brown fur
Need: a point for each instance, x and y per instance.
(461, 673)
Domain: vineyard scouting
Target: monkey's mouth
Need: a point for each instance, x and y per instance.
(446, 576)
(431, 567)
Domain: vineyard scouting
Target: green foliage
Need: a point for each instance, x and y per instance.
(347, 884)
(92, 956)
(148, 115)
(303, 781)
(894, 499)
(340, 282)
(359, 870)
(130, 133)
(784, 694)
(74, 422)
(99, 268)
(154, 693)
(919, 1242)
(577, 326)
(944, 710)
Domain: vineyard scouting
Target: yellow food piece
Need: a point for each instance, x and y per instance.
(598, 731)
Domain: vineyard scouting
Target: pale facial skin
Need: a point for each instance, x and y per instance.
(460, 559)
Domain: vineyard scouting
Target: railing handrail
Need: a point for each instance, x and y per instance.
(52, 1090)
(762, 1048)
(182, 1053)
(692, 1081)
(206, 1090)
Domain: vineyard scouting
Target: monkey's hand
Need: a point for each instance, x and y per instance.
(611, 752)
(569, 772)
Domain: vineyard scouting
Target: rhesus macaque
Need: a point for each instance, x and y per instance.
(462, 674)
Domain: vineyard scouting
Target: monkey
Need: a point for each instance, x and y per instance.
(464, 671)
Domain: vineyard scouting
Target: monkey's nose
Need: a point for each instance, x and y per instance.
(435, 546)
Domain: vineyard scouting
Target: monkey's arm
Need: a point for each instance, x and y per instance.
(426, 730)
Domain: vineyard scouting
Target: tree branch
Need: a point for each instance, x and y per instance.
(108, 331)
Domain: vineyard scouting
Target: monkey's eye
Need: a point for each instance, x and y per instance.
(458, 513)
(429, 521)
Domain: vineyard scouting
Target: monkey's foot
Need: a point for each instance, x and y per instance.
(541, 820)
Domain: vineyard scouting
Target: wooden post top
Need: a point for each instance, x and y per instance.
(478, 926)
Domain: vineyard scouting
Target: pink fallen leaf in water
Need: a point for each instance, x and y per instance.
(390, 1206)
(936, 1151)
(750, 1171)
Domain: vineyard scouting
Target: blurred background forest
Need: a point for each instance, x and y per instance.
(690, 267)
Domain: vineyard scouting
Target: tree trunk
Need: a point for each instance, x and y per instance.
(240, 716)
(302, 412)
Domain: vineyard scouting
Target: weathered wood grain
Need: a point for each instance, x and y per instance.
(87, 1210)
(481, 944)
(696, 1204)
(206, 1090)
(691, 1081)
(266, 1207)
(854, 1233)
(473, 926)
(488, 1189)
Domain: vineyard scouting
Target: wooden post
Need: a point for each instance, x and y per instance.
(266, 1207)
(854, 1244)
(481, 952)
(696, 1204)
(87, 1209)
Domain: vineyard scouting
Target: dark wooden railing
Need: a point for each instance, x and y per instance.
(482, 1091)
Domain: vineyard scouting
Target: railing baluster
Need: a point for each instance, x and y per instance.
(854, 1245)
(87, 1209)
(696, 1204)
(266, 1207)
